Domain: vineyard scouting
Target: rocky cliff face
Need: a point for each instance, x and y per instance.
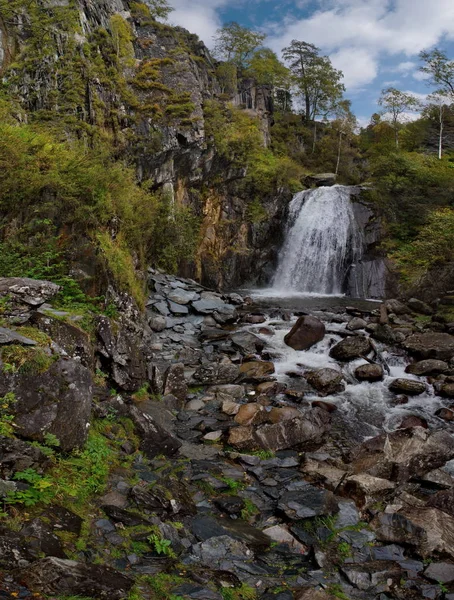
(153, 106)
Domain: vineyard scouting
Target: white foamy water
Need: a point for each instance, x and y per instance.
(367, 406)
(322, 242)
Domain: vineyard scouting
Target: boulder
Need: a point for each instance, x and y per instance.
(446, 390)
(396, 307)
(306, 431)
(437, 527)
(30, 293)
(251, 414)
(304, 501)
(157, 323)
(420, 307)
(9, 336)
(430, 345)
(217, 373)
(180, 296)
(154, 439)
(446, 414)
(206, 527)
(247, 342)
(443, 500)
(412, 421)
(395, 528)
(41, 539)
(409, 387)
(369, 372)
(175, 383)
(256, 371)
(16, 455)
(404, 454)
(325, 381)
(166, 497)
(321, 179)
(351, 348)
(74, 341)
(306, 332)
(70, 578)
(122, 354)
(57, 401)
(441, 572)
(366, 489)
(356, 323)
(284, 413)
(428, 367)
(14, 551)
(243, 438)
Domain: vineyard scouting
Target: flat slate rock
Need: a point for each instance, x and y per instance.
(8, 336)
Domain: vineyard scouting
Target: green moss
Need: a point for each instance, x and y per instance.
(26, 360)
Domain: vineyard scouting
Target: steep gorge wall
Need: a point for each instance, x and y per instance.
(152, 108)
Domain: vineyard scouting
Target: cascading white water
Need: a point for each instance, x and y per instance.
(322, 242)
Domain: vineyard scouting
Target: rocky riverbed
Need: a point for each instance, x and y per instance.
(240, 449)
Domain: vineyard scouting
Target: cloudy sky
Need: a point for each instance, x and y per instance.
(375, 42)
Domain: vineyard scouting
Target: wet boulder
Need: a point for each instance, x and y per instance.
(403, 454)
(57, 402)
(351, 348)
(430, 345)
(217, 374)
(251, 414)
(256, 371)
(304, 501)
(369, 372)
(306, 431)
(446, 390)
(122, 354)
(356, 323)
(70, 578)
(325, 381)
(247, 343)
(409, 387)
(429, 366)
(306, 332)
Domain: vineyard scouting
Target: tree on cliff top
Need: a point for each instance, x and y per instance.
(395, 104)
(317, 82)
(236, 44)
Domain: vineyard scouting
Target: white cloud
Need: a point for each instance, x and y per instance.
(198, 16)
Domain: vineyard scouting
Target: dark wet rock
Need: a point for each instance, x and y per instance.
(175, 383)
(386, 334)
(366, 489)
(247, 342)
(325, 381)
(41, 539)
(369, 372)
(396, 528)
(379, 576)
(396, 307)
(256, 371)
(304, 501)
(408, 387)
(446, 390)
(438, 530)
(122, 355)
(412, 421)
(271, 388)
(62, 519)
(356, 323)
(431, 345)
(305, 432)
(404, 454)
(16, 456)
(57, 401)
(205, 527)
(446, 414)
(351, 348)
(154, 439)
(328, 406)
(232, 505)
(427, 367)
(442, 572)
(306, 332)
(254, 318)
(71, 578)
(14, 551)
(420, 307)
(74, 341)
(444, 501)
(167, 496)
(217, 373)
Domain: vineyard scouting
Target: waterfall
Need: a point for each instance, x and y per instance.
(323, 241)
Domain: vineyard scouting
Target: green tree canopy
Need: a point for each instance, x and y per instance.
(441, 71)
(317, 82)
(236, 44)
(395, 104)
